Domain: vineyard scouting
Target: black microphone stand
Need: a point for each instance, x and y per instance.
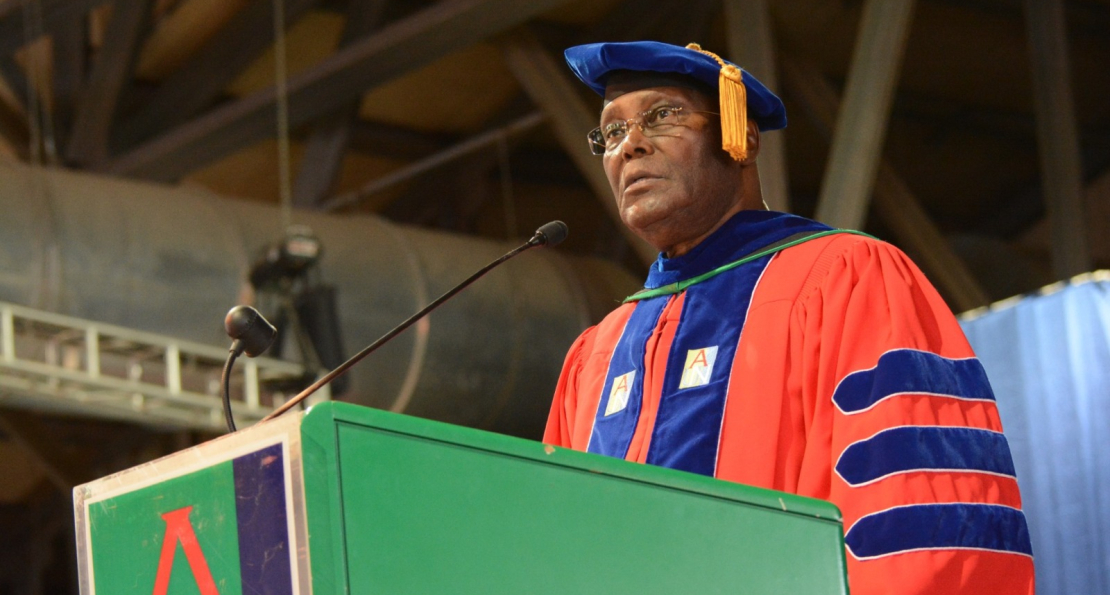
(251, 333)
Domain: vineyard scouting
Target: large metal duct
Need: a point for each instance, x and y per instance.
(173, 260)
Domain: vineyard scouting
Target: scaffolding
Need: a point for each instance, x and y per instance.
(61, 364)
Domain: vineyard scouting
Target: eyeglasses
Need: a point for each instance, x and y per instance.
(653, 122)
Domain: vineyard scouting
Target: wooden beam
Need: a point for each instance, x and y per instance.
(1096, 200)
(55, 14)
(363, 18)
(16, 80)
(397, 142)
(453, 153)
(182, 30)
(1057, 139)
(208, 73)
(464, 180)
(894, 202)
(327, 143)
(451, 198)
(549, 85)
(463, 173)
(28, 77)
(902, 212)
(412, 42)
(88, 142)
(322, 159)
(857, 143)
(14, 136)
(70, 41)
(14, 127)
(751, 44)
(550, 167)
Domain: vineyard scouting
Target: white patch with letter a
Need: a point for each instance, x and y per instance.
(618, 395)
(699, 367)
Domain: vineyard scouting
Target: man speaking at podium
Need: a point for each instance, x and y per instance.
(773, 351)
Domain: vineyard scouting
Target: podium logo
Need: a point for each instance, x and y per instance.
(180, 530)
(618, 395)
(699, 367)
(220, 530)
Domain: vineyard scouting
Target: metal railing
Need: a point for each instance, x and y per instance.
(63, 364)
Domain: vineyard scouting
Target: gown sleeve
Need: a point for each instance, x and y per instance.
(903, 434)
(564, 406)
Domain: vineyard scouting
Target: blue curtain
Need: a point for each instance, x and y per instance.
(1048, 359)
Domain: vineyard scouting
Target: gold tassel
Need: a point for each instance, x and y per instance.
(734, 107)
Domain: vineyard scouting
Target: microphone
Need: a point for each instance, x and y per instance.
(253, 333)
(250, 333)
(549, 235)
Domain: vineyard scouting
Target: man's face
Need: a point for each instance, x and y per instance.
(676, 188)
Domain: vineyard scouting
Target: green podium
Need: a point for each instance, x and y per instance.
(346, 499)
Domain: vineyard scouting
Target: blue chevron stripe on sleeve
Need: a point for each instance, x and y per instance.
(939, 526)
(924, 448)
(903, 371)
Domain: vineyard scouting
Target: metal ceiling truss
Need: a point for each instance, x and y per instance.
(61, 364)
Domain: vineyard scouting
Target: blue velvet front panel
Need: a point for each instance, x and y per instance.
(939, 526)
(924, 448)
(612, 433)
(688, 426)
(911, 371)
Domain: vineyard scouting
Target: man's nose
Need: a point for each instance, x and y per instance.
(635, 143)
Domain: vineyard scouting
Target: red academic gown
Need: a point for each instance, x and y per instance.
(832, 370)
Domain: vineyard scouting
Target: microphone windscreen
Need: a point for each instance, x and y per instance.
(247, 325)
(553, 233)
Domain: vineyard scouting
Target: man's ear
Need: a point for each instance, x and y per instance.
(753, 143)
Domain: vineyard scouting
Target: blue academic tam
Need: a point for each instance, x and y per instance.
(593, 62)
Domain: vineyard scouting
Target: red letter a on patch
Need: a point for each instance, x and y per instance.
(178, 528)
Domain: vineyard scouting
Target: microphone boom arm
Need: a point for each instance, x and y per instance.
(549, 234)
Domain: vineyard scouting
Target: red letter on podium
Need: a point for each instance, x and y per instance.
(178, 528)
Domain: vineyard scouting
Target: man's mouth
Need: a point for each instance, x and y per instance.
(639, 179)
